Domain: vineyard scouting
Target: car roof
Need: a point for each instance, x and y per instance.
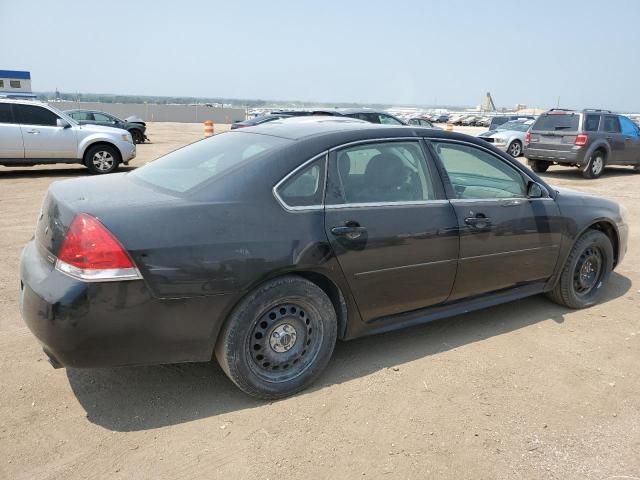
(22, 101)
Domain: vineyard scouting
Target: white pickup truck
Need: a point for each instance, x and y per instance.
(34, 133)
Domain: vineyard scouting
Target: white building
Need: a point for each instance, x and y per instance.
(15, 83)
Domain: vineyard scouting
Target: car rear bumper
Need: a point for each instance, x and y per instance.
(82, 324)
(574, 156)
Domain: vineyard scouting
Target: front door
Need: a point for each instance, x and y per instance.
(43, 138)
(631, 135)
(506, 239)
(11, 145)
(393, 232)
(610, 128)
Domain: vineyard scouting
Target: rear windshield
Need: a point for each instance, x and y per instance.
(203, 161)
(568, 122)
(515, 125)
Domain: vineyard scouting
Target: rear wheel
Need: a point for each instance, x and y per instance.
(586, 271)
(101, 159)
(539, 166)
(279, 338)
(515, 149)
(595, 166)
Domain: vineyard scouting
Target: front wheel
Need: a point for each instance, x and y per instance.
(595, 166)
(586, 271)
(137, 135)
(101, 159)
(539, 166)
(279, 338)
(515, 149)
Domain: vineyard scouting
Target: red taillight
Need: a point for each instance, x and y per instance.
(527, 138)
(91, 252)
(582, 139)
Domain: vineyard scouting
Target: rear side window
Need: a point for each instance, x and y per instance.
(388, 120)
(201, 162)
(99, 117)
(34, 115)
(611, 124)
(561, 122)
(592, 123)
(5, 113)
(306, 187)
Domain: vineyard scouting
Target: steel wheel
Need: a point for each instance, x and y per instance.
(515, 149)
(103, 161)
(284, 342)
(588, 271)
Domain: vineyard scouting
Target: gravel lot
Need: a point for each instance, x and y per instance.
(526, 390)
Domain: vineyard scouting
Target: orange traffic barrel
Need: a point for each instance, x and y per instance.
(208, 128)
(449, 127)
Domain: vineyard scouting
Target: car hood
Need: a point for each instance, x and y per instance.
(102, 129)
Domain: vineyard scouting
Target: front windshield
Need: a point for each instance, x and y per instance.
(517, 126)
(205, 160)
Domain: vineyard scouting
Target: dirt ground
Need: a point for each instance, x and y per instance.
(526, 390)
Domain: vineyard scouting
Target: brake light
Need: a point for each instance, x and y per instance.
(527, 138)
(582, 139)
(90, 252)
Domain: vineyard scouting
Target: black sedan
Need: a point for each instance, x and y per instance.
(259, 120)
(134, 125)
(265, 245)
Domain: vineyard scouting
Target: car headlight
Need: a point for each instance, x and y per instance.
(127, 137)
(500, 141)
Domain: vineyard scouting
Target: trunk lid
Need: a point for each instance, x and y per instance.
(555, 131)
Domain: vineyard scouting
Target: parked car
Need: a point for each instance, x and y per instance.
(587, 139)
(259, 120)
(33, 133)
(483, 122)
(421, 121)
(366, 114)
(498, 120)
(469, 121)
(263, 246)
(509, 136)
(440, 118)
(134, 125)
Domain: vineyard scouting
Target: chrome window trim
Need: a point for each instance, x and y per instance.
(342, 206)
(304, 208)
(373, 140)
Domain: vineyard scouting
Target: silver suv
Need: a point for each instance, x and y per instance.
(33, 133)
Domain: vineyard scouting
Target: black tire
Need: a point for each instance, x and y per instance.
(515, 149)
(253, 348)
(137, 135)
(574, 290)
(637, 168)
(539, 166)
(596, 164)
(100, 159)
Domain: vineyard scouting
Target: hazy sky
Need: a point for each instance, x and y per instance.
(587, 52)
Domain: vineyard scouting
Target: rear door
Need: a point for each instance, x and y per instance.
(506, 239)
(610, 128)
(390, 226)
(11, 144)
(555, 131)
(43, 139)
(631, 135)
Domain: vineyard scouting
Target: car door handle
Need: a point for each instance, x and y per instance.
(33, 132)
(352, 232)
(479, 222)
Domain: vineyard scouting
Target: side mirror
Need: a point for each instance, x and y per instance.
(535, 190)
(62, 123)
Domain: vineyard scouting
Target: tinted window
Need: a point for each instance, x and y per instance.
(34, 115)
(554, 122)
(383, 172)
(388, 120)
(5, 113)
(99, 117)
(629, 128)
(477, 174)
(306, 187)
(592, 123)
(515, 126)
(206, 160)
(611, 124)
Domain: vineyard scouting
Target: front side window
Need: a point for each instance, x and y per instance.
(34, 115)
(14, 83)
(99, 117)
(592, 123)
(207, 160)
(629, 129)
(306, 187)
(82, 116)
(476, 174)
(611, 124)
(383, 173)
